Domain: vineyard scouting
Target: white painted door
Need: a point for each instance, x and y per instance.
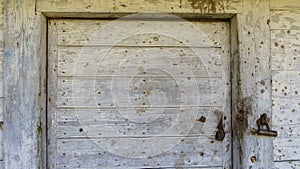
(138, 93)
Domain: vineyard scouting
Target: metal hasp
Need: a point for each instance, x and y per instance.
(220, 134)
(264, 131)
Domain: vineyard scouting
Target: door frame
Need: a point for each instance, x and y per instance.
(25, 63)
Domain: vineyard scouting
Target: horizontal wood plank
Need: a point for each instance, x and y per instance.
(136, 122)
(286, 85)
(139, 92)
(286, 164)
(159, 61)
(142, 33)
(93, 153)
(289, 19)
(286, 149)
(288, 130)
(134, 6)
(285, 111)
(286, 4)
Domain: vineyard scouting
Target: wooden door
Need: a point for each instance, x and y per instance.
(138, 93)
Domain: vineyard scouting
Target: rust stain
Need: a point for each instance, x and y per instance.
(241, 124)
(155, 38)
(113, 142)
(202, 119)
(88, 6)
(262, 82)
(208, 5)
(253, 159)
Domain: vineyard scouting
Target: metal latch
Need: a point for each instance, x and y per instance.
(264, 128)
(220, 134)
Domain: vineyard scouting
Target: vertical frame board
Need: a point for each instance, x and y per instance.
(52, 93)
(24, 81)
(1, 78)
(252, 95)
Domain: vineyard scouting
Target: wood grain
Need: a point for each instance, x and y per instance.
(285, 50)
(141, 33)
(254, 85)
(123, 61)
(134, 6)
(287, 19)
(286, 102)
(114, 123)
(107, 92)
(207, 155)
(23, 103)
(284, 5)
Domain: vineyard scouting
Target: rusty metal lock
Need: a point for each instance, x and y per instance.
(261, 122)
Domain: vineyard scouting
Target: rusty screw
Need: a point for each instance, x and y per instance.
(253, 159)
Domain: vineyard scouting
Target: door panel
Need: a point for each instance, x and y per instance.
(144, 101)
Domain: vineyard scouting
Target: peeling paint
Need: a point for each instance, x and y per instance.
(208, 5)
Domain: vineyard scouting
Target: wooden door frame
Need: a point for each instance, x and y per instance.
(25, 70)
(53, 29)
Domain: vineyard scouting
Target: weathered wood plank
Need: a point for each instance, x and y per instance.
(286, 4)
(286, 85)
(285, 19)
(42, 123)
(23, 103)
(286, 164)
(135, 6)
(288, 130)
(285, 111)
(254, 88)
(135, 123)
(286, 100)
(142, 33)
(52, 93)
(126, 61)
(286, 149)
(93, 153)
(286, 103)
(140, 92)
(1, 80)
(285, 50)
